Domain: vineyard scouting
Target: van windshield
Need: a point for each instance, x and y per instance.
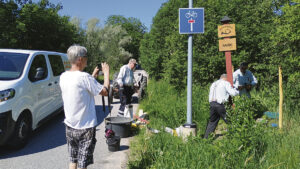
(12, 65)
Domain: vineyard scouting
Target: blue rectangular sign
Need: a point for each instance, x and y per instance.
(191, 20)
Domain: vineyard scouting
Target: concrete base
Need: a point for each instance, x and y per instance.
(189, 129)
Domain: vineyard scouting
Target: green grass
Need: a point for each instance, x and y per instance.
(247, 144)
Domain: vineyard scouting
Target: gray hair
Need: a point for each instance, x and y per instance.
(132, 61)
(223, 76)
(75, 52)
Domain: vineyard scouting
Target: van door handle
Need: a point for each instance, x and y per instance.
(49, 84)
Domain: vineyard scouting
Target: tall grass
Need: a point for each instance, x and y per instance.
(167, 107)
(246, 144)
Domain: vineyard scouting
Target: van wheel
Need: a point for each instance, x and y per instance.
(22, 131)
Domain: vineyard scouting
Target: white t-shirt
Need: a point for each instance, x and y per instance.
(78, 91)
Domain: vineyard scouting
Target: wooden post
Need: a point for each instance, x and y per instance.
(280, 97)
(227, 44)
(229, 67)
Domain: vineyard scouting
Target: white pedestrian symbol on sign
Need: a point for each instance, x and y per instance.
(191, 15)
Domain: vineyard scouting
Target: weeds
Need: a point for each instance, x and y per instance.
(246, 144)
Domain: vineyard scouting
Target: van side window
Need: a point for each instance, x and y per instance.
(56, 64)
(39, 61)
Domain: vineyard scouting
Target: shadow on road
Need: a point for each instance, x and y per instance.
(101, 115)
(50, 135)
(123, 147)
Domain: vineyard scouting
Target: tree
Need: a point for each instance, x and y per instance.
(106, 44)
(36, 26)
(42, 28)
(150, 58)
(115, 38)
(286, 49)
(166, 54)
(134, 28)
(153, 47)
(8, 16)
(92, 42)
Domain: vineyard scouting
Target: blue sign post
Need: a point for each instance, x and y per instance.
(191, 20)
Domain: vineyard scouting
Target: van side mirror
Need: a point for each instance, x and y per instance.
(39, 73)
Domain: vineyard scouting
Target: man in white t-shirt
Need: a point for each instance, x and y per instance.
(78, 91)
(218, 94)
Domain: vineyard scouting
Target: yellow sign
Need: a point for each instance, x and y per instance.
(226, 30)
(227, 44)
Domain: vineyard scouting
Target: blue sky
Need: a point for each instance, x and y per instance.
(144, 10)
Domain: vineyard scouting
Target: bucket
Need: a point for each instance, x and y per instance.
(120, 125)
(113, 143)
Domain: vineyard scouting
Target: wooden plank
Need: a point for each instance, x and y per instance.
(226, 30)
(227, 44)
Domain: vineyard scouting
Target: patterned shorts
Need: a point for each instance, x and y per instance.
(81, 145)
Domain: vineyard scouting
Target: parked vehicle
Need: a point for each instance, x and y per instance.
(29, 91)
(140, 79)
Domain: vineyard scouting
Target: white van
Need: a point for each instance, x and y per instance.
(29, 91)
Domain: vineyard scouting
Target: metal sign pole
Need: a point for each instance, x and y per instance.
(191, 21)
(189, 81)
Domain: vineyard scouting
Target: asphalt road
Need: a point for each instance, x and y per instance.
(47, 147)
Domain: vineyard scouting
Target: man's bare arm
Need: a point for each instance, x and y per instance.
(105, 70)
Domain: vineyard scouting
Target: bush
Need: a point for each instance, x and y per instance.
(245, 135)
(247, 144)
